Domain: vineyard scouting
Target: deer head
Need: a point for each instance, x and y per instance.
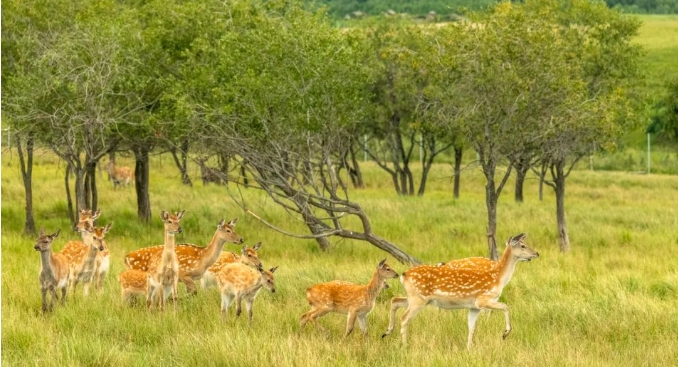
(519, 250)
(172, 221)
(44, 241)
(226, 232)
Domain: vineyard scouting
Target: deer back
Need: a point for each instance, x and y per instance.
(238, 278)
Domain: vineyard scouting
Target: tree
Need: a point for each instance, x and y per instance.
(285, 93)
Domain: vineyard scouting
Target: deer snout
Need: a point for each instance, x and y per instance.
(180, 230)
(273, 290)
(36, 248)
(101, 247)
(242, 240)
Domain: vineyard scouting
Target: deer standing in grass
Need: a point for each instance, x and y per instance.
(238, 281)
(209, 279)
(356, 300)
(83, 264)
(454, 288)
(53, 270)
(122, 176)
(164, 267)
(134, 283)
(75, 251)
(194, 260)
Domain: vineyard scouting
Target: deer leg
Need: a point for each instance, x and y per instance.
(249, 302)
(473, 314)
(362, 323)
(238, 304)
(175, 293)
(413, 308)
(54, 298)
(350, 323)
(494, 305)
(226, 300)
(314, 319)
(191, 288)
(63, 295)
(44, 299)
(305, 318)
(396, 303)
(85, 289)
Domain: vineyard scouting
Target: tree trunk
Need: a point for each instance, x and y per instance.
(93, 195)
(80, 192)
(458, 153)
(87, 188)
(559, 182)
(27, 178)
(141, 183)
(243, 174)
(111, 158)
(182, 164)
(491, 202)
(356, 172)
(522, 166)
(69, 199)
(391, 249)
(410, 179)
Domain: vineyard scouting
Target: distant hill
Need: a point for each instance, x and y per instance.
(341, 8)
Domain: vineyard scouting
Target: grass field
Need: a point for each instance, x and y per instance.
(611, 301)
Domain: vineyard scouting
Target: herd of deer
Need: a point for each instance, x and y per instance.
(154, 272)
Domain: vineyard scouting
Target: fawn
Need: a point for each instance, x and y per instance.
(194, 261)
(343, 297)
(238, 281)
(134, 282)
(209, 279)
(453, 288)
(83, 265)
(54, 271)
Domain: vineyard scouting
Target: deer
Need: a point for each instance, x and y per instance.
(164, 267)
(82, 266)
(238, 281)
(134, 282)
(122, 176)
(209, 279)
(474, 288)
(194, 261)
(76, 250)
(54, 271)
(356, 300)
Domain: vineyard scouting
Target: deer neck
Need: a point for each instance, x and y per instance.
(169, 244)
(375, 285)
(91, 250)
(505, 267)
(211, 253)
(46, 262)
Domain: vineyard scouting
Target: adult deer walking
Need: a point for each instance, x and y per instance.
(53, 270)
(209, 279)
(454, 288)
(356, 300)
(194, 260)
(122, 176)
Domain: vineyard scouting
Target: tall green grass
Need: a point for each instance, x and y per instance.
(611, 301)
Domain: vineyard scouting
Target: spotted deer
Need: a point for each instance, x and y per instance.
(356, 300)
(53, 270)
(76, 250)
(209, 279)
(164, 267)
(238, 281)
(122, 176)
(134, 283)
(456, 288)
(194, 260)
(83, 265)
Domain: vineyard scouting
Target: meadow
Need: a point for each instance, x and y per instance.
(609, 302)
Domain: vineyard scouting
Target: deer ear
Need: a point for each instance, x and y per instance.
(244, 249)
(108, 227)
(272, 270)
(233, 222)
(164, 215)
(42, 232)
(257, 247)
(221, 224)
(56, 234)
(96, 214)
(181, 214)
(517, 239)
(381, 263)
